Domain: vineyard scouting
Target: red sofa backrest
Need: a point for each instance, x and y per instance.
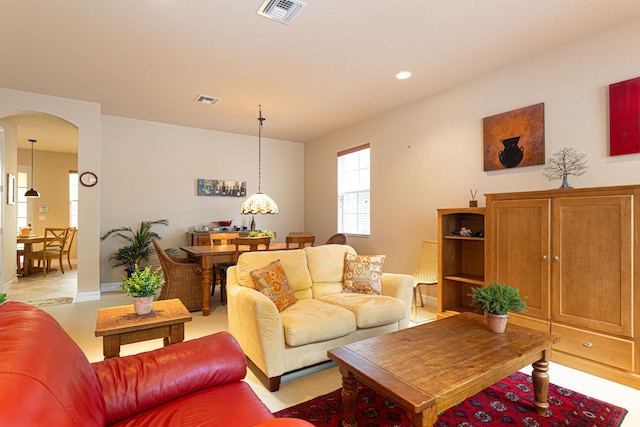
(45, 378)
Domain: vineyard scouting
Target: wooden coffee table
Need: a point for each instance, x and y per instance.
(431, 367)
(121, 325)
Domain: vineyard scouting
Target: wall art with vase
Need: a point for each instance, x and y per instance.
(624, 117)
(514, 139)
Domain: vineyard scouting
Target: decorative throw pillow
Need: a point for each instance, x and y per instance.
(363, 273)
(272, 281)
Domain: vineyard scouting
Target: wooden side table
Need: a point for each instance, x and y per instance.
(121, 325)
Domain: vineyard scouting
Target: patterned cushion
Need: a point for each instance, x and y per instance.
(363, 273)
(272, 281)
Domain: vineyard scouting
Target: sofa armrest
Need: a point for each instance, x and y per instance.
(255, 322)
(401, 287)
(139, 382)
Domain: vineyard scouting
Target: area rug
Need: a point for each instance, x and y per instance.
(506, 403)
(50, 301)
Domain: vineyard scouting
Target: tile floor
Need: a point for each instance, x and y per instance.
(79, 321)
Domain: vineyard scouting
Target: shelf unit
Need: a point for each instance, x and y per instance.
(460, 258)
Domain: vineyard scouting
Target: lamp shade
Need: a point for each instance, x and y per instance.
(259, 203)
(31, 193)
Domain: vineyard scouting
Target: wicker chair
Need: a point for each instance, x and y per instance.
(426, 272)
(337, 239)
(183, 279)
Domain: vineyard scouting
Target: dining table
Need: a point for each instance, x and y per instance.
(28, 242)
(207, 255)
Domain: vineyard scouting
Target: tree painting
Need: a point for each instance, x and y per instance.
(563, 163)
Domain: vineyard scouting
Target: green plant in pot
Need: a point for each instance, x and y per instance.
(139, 246)
(142, 286)
(497, 299)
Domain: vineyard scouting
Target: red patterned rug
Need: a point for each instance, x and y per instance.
(506, 403)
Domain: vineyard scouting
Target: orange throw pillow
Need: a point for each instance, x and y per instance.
(272, 281)
(363, 273)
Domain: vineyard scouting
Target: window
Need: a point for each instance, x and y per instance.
(353, 191)
(23, 205)
(73, 199)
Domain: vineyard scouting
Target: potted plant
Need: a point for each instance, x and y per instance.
(496, 299)
(139, 247)
(142, 286)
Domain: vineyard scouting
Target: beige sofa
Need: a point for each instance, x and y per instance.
(322, 318)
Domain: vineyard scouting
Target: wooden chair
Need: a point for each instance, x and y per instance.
(337, 239)
(223, 238)
(426, 272)
(254, 244)
(54, 241)
(182, 279)
(299, 241)
(66, 250)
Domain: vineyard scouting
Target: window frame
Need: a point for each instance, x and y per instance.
(358, 188)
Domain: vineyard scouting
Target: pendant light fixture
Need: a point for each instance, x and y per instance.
(31, 192)
(259, 203)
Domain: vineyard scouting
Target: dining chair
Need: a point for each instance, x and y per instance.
(66, 250)
(255, 244)
(54, 240)
(426, 273)
(337, 239)
(182, 279)
(299, 242)
(220, 269)
(19, 257)
(223, 238)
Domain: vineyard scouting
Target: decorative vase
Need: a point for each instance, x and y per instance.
(497, 322)
(143, 305)
(512, 154)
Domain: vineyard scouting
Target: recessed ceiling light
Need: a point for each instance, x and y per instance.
(402, 75)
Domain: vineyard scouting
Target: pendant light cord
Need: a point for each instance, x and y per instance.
(260, 120)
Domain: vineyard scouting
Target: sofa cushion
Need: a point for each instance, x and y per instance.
(326, 267)
(294, 263)
(272, 281)
(311, 320)
(363, 273)
(369, 310)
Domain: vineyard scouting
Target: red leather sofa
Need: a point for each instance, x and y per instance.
(46, 380)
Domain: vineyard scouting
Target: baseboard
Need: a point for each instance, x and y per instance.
(88, 296)
(110, 287)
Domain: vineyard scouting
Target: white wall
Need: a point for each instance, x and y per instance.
(149, 172)
(428, 155)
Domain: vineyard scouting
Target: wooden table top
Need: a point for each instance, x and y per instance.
(122, 319)
(225, 249)
(442, 362)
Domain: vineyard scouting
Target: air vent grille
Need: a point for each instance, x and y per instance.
(281, 10)
(205, 99)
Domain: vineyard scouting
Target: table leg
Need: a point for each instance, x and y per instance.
(111, 346)
(540, 377)
(349, 399)
(176, 333)
(207, 276)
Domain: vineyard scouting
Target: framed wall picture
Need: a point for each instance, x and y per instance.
(514, 139)
(11, 189)
(217, 187)
(624, 117)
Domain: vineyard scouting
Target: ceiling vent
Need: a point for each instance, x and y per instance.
(281, 10)
(209, 100)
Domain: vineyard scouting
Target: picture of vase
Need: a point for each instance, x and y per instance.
(512, 155)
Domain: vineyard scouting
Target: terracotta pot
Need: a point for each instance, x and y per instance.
(497, 322)
(143, 305)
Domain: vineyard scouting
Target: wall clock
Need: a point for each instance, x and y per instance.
(88, 179)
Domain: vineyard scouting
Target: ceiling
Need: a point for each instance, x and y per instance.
(331, 67)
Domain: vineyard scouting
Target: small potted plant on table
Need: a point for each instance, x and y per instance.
(496, 299)
(142, 286)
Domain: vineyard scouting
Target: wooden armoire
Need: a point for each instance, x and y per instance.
(576, 254)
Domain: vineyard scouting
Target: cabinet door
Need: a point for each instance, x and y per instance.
(593, 262)
(519, 248)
